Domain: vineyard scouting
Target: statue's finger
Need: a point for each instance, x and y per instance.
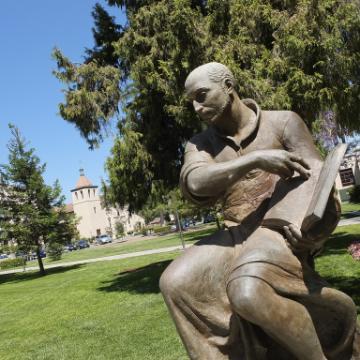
(300, 160)
(290, 237)
(304, 173)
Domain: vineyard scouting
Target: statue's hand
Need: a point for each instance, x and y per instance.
(299, 241)
(282, 163)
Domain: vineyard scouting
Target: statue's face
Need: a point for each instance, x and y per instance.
(209, 98)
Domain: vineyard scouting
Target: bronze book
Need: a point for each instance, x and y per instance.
(303, 202)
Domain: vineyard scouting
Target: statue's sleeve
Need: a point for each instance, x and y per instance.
(195, 157)
(297, 139)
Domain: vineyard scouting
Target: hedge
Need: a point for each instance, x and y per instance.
(11, 263)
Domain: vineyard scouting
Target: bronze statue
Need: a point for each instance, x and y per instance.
(249, 292)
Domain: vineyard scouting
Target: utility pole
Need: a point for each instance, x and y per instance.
(179, 223)
(180, 229)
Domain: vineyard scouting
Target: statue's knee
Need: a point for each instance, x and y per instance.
(242, 296)
(171, 282)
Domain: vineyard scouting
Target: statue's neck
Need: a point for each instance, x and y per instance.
(237, 120)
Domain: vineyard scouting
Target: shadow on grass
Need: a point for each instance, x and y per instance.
(24, 276)
(338, 243)
(142, 280)
(350, 214)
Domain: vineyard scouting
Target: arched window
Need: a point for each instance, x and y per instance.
(82, 194)
(76, 195)
(89, 192)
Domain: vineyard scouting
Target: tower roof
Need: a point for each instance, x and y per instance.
(83, 182)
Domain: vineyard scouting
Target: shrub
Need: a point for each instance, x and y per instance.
(7, 249)
(355, 194)
(11, 263)
(162, 229)
(55, 251)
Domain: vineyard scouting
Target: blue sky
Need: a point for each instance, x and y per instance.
(30, 94)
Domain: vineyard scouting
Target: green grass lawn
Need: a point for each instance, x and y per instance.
(348, 207)
(107, 310)
(129, 246)
(337, 266)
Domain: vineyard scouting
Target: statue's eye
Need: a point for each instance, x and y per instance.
(200, 96)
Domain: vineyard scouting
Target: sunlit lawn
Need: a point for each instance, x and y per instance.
(337, 266)
(348, 207)
(130, 246)
(113, 310)
(107, 310)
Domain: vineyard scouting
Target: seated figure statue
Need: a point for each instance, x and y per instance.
(250, 292)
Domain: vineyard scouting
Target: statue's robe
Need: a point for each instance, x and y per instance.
(194, 285)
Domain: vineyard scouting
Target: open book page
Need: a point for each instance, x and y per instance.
(291, 199)
(303, 202)
(323, 187)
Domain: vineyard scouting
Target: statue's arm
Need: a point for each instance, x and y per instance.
(203, 177)
(214, 178)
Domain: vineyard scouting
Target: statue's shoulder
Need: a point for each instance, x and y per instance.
(280, 119)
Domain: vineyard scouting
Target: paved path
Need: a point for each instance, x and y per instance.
(350, 221)
(343, 222)
(105, 258)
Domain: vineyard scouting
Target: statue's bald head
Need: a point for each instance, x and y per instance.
(214, 71)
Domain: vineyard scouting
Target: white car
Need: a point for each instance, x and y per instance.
(103, 239)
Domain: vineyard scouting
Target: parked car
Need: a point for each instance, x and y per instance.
(20, 254)
(70, 247)
(209, 218)
(103, 239)
(82, 244)
(3, 256)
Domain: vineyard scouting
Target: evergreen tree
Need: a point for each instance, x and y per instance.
(300, 55)
(31, 212)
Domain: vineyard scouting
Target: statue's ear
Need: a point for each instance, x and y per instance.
(229, 86)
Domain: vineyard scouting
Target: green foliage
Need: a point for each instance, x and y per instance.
(120, 229)
(31, 212)
(162, 229)
(7, 249)
(12, 263)
(55, 251)
(355, 194)
(93, 101)
(301, 55)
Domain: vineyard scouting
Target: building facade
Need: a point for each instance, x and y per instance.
(349, 174)
(93, 218)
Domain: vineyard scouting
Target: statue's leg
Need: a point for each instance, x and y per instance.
(278, 291)
(194, 289)
(286, 321)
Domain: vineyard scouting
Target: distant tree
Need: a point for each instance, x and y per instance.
(120, 229)
(31, 212)
(296, 55)
(355, 194)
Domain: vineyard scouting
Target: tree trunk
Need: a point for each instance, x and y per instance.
(40, 262)
(217, 222)
(162, 218)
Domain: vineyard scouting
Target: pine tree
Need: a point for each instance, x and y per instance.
(31, 212)
(300, 55)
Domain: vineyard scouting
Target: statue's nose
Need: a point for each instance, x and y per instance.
(197, 106)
